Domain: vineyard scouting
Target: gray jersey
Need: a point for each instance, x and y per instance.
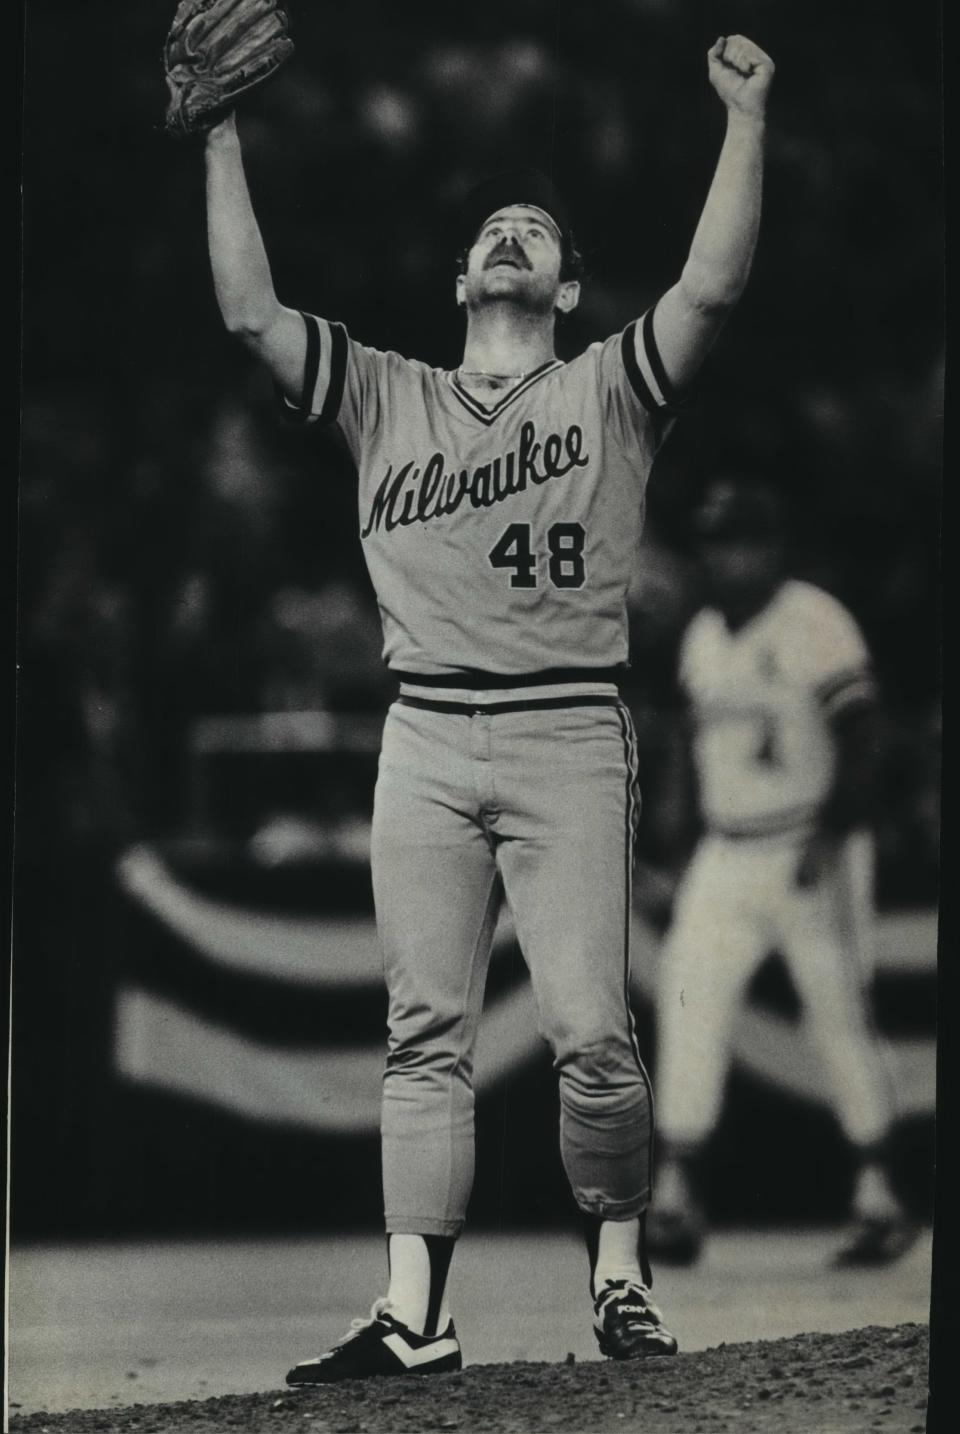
(502, 537)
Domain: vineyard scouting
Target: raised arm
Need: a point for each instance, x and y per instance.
(689, 316)
(241, 270)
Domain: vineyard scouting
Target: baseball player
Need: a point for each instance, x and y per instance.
(500, 507)
(783, 737)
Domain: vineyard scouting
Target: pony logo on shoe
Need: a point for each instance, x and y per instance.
(628, 1324)
(381, 1345)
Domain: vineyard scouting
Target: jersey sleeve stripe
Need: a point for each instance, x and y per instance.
(302, 412)
(311, 364)
(656, 362)
(338, 374)
(628, 352)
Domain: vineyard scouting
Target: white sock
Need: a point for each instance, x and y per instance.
(410, 1277)
(618, 1253)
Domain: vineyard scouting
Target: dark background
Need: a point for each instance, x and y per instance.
(182, 554)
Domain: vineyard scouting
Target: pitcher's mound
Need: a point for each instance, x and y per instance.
(862, 1380)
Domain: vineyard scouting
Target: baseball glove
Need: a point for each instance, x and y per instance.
(215, 52)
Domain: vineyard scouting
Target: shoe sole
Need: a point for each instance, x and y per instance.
(449, 1364)
(646, 1349)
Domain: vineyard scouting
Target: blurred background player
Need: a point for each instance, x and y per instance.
(783, 742)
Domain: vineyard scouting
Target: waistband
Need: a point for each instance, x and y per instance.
(531, 704)
(473, 680)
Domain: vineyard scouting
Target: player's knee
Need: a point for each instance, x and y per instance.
(427, 1028)
(428, 1056)
(570, 1033)
(591, 1059)
(583, 1030)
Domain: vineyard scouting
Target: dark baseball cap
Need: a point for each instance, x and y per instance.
(751, 511)
(514, 186)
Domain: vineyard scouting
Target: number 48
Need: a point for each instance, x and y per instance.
(564, 543)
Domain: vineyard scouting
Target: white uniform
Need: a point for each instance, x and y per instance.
(501, 539)
(761, 700)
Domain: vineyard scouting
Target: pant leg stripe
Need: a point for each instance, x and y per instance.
(632, 819)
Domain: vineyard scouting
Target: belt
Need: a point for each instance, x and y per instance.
(533, 704)
(475, 680)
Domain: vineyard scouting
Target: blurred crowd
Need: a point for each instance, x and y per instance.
(183, 554)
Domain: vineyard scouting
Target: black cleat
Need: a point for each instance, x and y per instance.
(628, 1324)
(381, 1345)
(874, 1242)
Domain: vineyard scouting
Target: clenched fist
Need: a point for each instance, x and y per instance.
(740, 73)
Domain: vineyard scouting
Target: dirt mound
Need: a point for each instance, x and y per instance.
(858, 1381)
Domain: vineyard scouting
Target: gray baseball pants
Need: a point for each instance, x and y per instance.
(539, 804)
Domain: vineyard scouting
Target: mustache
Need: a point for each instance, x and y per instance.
(508, 249)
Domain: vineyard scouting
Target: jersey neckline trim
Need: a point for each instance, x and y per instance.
(490, 414)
